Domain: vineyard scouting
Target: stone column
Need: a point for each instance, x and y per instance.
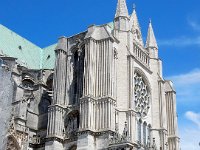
(55, 127)
(173, 139)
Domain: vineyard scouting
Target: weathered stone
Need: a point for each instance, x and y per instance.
(106, 92)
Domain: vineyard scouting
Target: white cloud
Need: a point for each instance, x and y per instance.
(187, 86)
(194, 117)
(189, 78)
(188, 98)
(183, 41)
(180, 41)
(194, 23)
(190, 138)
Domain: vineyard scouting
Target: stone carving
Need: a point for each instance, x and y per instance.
(154, 147)
(12, 144)
(36, 139)
(117, 138)
(14, 136)
(72, 124)
(115, 53)
(142, 95)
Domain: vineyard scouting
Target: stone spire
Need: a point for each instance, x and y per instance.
(122, 10)
(151, 40)
(135, 27)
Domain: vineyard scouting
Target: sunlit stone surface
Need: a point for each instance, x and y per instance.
(105, 91)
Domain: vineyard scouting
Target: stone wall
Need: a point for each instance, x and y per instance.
(6, 96)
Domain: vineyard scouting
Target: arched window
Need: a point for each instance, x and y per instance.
(78, 71)
(49, 82)
(75, 75)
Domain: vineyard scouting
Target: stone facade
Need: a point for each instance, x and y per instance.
(106, 91)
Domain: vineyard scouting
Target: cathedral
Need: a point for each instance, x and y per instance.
(101, 89)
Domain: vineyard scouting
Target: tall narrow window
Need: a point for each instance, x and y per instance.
(149, 134)
(75, 75)
(144, 133)
(139, 131)
(78, 74)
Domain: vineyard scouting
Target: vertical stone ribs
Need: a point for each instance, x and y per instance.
(99, 69)
(59, 78)
(98, 103)
(97, 115)
(55, 126)
(55, 122)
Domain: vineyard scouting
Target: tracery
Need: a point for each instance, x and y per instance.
(142, 95)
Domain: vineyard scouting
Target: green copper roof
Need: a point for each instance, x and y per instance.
(48, 57)
(27, 53)
(13, 45)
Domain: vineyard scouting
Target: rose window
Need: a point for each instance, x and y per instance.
(142, 95)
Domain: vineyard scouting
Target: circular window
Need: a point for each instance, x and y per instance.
(142, 95)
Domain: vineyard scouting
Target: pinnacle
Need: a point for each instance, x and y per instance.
(151, 40)
(122, 10)
(135, 26)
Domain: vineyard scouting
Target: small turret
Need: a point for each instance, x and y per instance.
(151, 43)
(62, 44)
(135, 28)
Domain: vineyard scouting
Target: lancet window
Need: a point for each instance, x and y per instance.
(78, 70)
(139, 131)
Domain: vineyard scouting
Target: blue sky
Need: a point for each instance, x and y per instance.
(176, 25)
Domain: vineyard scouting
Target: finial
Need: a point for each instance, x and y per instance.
(149, 20)
(134, 6)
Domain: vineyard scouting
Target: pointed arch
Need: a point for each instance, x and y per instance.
(49, 82)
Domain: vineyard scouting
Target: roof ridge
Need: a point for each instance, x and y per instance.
(19, 35)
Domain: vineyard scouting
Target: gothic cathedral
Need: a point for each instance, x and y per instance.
(101, 89)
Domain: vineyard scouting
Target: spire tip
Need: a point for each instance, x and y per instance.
(134, 6)
(149, 20)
